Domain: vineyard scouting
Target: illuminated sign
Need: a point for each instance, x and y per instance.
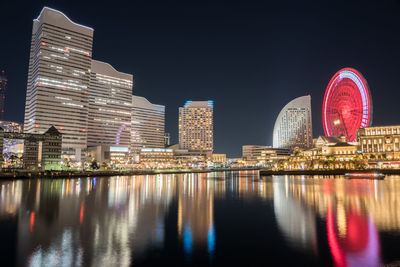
(156, 150)
(118, 149)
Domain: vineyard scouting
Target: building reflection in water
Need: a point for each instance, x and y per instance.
(91, 221)
(118, 221)
(296, 221)
(354, 211)
(101, 221)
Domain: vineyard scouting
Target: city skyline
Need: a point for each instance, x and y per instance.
(263, 81)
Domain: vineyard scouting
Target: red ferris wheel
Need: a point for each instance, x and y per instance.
(347, 104)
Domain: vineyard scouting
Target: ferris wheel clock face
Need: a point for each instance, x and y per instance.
(347, 105)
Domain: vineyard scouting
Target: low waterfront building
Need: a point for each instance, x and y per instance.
(331, 146)
(13, 149)
(251, 152)
(264, 153)
(328, 140)
(341, 151)
(113, 155)
(327, 153)
(380, 142)
(41, 151)
(184, 156)
(156, 155)
(270, 155)
(218, 158)
(51, 149)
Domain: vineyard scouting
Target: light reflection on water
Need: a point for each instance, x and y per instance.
(193, 218)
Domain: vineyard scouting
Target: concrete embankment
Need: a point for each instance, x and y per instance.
(265, 172)
(79, 174)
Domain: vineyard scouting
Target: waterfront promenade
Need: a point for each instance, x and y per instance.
(269, 172)
(25, 174)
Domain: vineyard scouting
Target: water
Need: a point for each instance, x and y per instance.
(217, 219)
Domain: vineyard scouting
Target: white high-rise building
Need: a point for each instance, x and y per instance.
(110, 106)
(196, 126)
(58, 80)
(148, 123)
(293, 127)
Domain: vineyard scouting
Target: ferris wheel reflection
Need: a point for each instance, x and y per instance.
(356, 243)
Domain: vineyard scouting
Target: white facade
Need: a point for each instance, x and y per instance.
(293, 127)
(58, 80)
(110, 104)
(196, 126)
(148, 124)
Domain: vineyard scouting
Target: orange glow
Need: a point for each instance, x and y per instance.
(43, 43)
(32, 221)
(81, 214)
(37, 125)
(61, 128)
(83, 130)
(360, 174)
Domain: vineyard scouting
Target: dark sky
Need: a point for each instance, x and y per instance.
(251, 58)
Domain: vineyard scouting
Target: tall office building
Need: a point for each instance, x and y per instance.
(196, 126)
(3, 87)
(110, 104)
(293, 127)
(148, 123)
(58, 80)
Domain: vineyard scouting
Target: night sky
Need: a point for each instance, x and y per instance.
(251, 58)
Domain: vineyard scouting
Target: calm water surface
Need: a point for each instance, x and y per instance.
(218, 219)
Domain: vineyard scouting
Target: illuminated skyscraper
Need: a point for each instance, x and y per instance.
(58, 80)
(110, 104)
(293, 127)
(148, 122)
(3, 87)
(196, 126)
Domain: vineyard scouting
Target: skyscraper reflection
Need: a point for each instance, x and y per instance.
(296, 221)
(354, 211)
(196, 212)
(123, 221)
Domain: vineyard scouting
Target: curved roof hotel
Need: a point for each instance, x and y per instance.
(293, 127)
